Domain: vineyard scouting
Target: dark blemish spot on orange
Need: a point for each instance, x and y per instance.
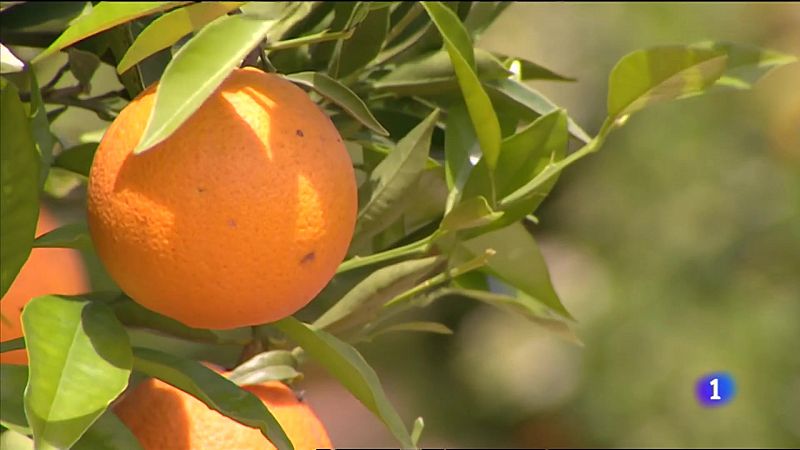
(308, 258)
(231, 223)
(201, 189)
(299, 133)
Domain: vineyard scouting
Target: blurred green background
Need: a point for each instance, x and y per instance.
(677, 248)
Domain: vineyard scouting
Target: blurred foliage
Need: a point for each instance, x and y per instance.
(677, 248)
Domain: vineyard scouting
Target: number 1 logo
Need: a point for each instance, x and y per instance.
(715, 389)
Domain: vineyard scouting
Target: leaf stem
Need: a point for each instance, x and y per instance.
(415, 248)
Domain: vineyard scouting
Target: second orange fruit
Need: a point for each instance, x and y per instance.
(163, 417)
(239, 218)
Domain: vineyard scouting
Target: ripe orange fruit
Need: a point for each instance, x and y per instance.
(164, 417)
(239, 218)
(47, 271)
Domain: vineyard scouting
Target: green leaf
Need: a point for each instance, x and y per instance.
(416, 432)
(11, 344)
(746, 64)
(13, 440)
(9, 63)
(267, 366)
(345, 364)
(526, 153)
(393, 178)
(471, 213)
(119, 40)
(660, 74)
(480, 108)
(196, 71)
(520, 304)
(433, 74)
(103, 16)
(82, 65)
(12, 412)
(420, 327)
(363, 302)
(213, 389)
(532, 100)
(363, 46)
(346, 16)
(340, 95)
(33, 18)
(529, 70)
(73, 235)
(43, 138)
(169, 28)
(308, 39)
(483, 14)
(519, 262)
(80, 360)
(77, 159)
(461, 151)
(108, 433)
(131, 314)
(19, 185)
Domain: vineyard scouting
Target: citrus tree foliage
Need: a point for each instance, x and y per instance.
(453, 150)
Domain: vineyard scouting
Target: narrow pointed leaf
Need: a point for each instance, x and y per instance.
(169, 28)
(213, 389)
(363, 46)
(12, 413)
(73, 235)
(529, 70)
(79, 361)
(659, 74)
(518, 262)
(9, 63)
(344, 363)
(132, 314)
(393, 178)
(416, 432)
(480, 108)
(341, 95)
(482, 15)
(533, 100)
(11, 344)
(103, 16)
(197, 70)
(308, 39)
(19, 185)
(527, 152)
(521, 304)
(43, 138)
(433, 73)
(461, 150)
(527, 156)
(82, 65)
(471, 213)
(108, 433)
(419, 327)
(267, 366)
(746, 64)
(367, 297)
(77, 159)
(14, 440)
